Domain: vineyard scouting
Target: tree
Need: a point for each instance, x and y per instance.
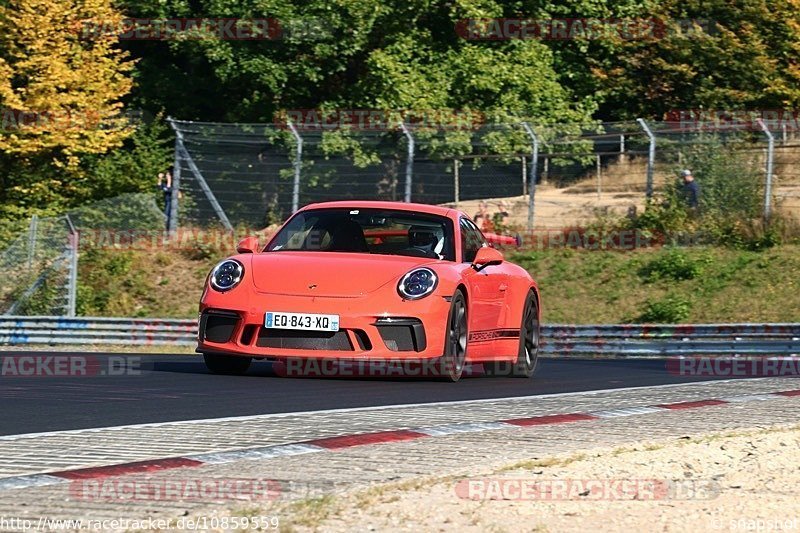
(347, 54)
(740, 54)
(67, 80)
(60, 91)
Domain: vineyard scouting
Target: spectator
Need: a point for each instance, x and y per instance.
(691, 190)
(482, 218)
(503, 215)
(165, 186)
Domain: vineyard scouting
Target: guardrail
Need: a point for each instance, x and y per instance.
(558, 339)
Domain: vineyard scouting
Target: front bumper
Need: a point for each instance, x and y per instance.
(402, 330)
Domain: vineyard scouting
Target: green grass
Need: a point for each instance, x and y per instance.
(701, 284)
(670, 285)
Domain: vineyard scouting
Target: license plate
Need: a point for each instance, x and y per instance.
(302, 321)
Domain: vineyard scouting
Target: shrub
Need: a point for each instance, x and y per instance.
(675, 264)
(669, 310)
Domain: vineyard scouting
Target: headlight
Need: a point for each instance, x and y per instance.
(226, 275)
(418, 283)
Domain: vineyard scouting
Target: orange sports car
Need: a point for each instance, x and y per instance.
(361, 281)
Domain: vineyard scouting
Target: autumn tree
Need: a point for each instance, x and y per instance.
(60, 90)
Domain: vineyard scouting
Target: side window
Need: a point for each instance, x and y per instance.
(471, 240)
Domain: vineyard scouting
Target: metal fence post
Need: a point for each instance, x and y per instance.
(32, 239)
(456, 184)
(176, 184)
(73, 268)
(182, 153)
(599, 178)
(298, 162)
(524, 165)
(545, 170)
(770, 161)
(532, 177)
(409, 161)
(651, 157)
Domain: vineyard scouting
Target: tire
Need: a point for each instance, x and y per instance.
(229, 365)
(456, 334)
(528, 351)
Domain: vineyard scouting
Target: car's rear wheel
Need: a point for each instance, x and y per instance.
(452, 363)
(226, 364)
(528, 353)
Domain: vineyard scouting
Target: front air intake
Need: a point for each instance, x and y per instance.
(402, 334)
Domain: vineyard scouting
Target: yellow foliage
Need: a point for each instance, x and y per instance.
(60, 88)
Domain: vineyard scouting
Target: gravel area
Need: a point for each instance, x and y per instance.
(741, 481)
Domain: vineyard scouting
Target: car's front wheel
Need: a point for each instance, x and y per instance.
(227, 364)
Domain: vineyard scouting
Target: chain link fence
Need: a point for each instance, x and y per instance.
(44, 257)
(255, 175)
(42, 260)
(252, 176)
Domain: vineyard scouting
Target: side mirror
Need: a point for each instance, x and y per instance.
(486, 257)
(248, 245)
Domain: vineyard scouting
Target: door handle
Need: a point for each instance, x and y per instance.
(503, 286)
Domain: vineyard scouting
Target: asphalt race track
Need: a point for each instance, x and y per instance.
(169, 388)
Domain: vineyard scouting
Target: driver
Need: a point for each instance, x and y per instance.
(429, 240)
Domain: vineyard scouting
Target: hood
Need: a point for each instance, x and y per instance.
(332, 274)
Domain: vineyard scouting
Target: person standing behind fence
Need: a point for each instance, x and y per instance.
(691, 190)
(165, 186)
(482, 218)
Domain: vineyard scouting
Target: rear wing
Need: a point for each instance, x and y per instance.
(503, 240)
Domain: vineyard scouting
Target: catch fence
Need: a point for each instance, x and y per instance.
(544, 176)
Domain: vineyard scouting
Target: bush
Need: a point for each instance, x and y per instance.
(675, 265)
(669, 310)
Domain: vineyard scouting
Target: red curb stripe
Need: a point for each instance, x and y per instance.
(788, 393)
(691, 405)
(139, 467)
(550, 419)
(380, 437)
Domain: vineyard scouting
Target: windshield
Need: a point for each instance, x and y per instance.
(368, 231)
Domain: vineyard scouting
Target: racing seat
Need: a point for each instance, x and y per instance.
(347, 236)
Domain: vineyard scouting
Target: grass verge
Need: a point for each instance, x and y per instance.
(698, 284)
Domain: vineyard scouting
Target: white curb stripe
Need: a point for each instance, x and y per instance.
(749, 398)
(626, 411)
(453, 429)
(267, 452)
(36, 480)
